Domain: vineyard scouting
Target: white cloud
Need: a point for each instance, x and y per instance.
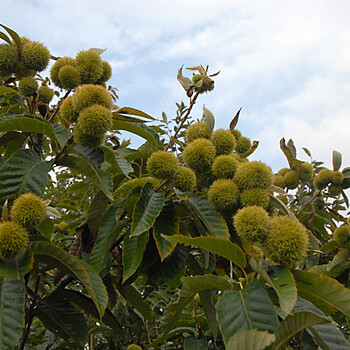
(286, 63)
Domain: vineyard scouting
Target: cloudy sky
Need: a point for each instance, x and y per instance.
(286, 63)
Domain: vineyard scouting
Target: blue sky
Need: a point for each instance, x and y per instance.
(286, 63)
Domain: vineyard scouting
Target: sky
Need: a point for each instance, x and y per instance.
(286, 63)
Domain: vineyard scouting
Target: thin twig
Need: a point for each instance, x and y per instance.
(193, 101)
(58, 106)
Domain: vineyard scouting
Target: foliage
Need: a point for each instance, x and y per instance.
(134, 250)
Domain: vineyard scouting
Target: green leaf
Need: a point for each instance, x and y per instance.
(97, 208)
(46, 228)
(88, 276)
(12, 302)
(185, 82)
(209, 118)
(191, 343)
(327, 335)
(62, 134)
(167, 223)
(62, 318)
(118, 162)
(295, 323)
(197, 284)
(340, 257)
(214, 222)
(134, 183)
(251, 339)
(282, 281)
(14, 145)
(92, 155)
(324, 292)
(26, 122)
(102, 180)
(162, 272)
(133, 111)
(336, 160)
(147, 209)
(234, 121)
(246, 309)
(133, 249)
(15, 37)
(88, 305)
(136, 300)
(23, 172)
(17, 267)
(4, 37)
(106, 237)
(135, 128)
(222, 247)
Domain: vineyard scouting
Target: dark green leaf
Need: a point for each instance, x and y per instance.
(326, 335)
(23, 172)
(192, 343)
(249, 308)
(222, 247)
(341, 256)
(147, 209)
(26, 122)
(324, 292)
(92, 155)
(12, 301)
(62, 134)
(133, 249)
(88, 305)
(62, 318)
(214, 222)
(136, 300)
(134, 183)
(133, 111)
(96, 210)
(102, 180)
(282, 281)
(295, 323)
(57, 257)
(15, 37)
(4, 37)
(167, 223)
(17, 267)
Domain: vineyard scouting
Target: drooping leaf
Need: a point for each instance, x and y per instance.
(164, 271)
(251, 339)
(102, 180)
(222, 247)
(291, 147)
(282, 281)
(12, 302)
(249, 308)
(118, 162)
(62, 318)
(336, 160)
(14, 145)
(307, 151)
(96, 210)
(295, 323)
(167, 223)
(135, 128)
(133, 249)
(56, 257)
(147, 209)
(214, 222)
(324, 292)
(185, 82)
(88, 305)
(234, 121)
(4, 37)
(23, 172)
(62, 134)
(208, 118)
(326, 335)
(136, 300)
(106, 237)
(26, 122)
(199, 283)
(46, 228)
(17, 267)
(92, 155)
